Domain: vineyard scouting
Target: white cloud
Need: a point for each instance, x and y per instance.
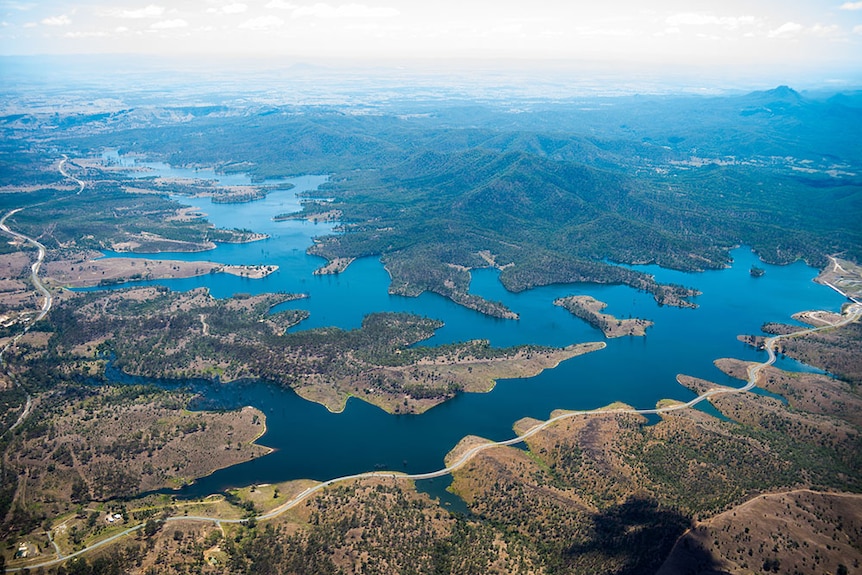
(149, 11)
(19, 6)
(328, 11)
(785, 30)
(606, 32)
(851, 6)
(755, 26)
(699, 19)
(61, 20)
(235, 8)
(857, 29)
(282, 5)
(169, 24)
(85, 35)
(824, 30)
(689, 19)
(262, 23)
(350, 11)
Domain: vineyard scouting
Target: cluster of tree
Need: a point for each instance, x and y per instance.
(596, 319)
(378, 530)
(178, 335)
(612, 495)
(111, 215)
(239, 198)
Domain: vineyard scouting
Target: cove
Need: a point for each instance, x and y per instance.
(311, 442)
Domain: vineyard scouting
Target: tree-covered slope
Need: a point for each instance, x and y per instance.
(557, 189)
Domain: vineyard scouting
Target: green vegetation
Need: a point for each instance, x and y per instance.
(558, 191)
(157, 333)
(377, 529)
(111, 218)
(553, 193)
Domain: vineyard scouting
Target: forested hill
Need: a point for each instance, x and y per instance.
(556, 188)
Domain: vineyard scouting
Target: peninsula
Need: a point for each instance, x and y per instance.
(590, 309)
(378, 363)
(89, 268)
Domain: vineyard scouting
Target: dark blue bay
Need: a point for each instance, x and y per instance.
(311, 442)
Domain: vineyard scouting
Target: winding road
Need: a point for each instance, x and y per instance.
(34, 268)
(47, 302)
(48, 299)
(851, 314)
(62, 168)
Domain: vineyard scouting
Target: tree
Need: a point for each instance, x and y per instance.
(151, 527)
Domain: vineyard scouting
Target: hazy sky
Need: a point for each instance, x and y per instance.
(729, 33)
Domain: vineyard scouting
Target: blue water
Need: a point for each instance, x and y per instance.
(312, 443)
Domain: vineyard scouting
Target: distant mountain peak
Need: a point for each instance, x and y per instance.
(784, 92)
(780, 94)
(780, 100)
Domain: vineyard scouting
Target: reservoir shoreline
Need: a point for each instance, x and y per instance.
(635, 370)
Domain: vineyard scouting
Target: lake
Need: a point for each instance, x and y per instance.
(311, 442)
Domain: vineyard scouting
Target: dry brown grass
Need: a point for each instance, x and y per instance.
(809, 392)
(120, 447)
(800, 531)
(90, 269)
(590, 309)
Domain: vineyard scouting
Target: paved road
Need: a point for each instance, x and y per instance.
(851, 314)
(48, 299)
(836, 268)
(62, 168)
(34, 268)
(47, 302)
(59, 553)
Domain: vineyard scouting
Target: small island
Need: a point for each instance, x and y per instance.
(589, 309)
(328, 216)
(335, 266)
(248, 271)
